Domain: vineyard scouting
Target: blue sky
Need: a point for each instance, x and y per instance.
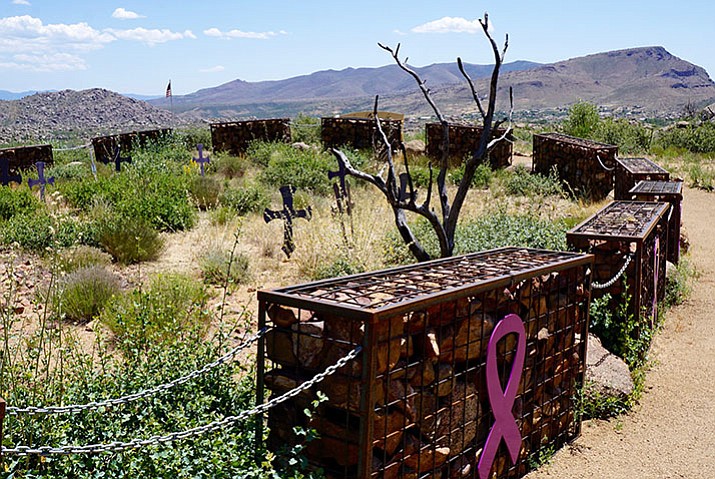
(135, 46)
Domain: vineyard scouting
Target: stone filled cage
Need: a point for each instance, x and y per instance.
(585, 165)
(22, 158)
(623, 229)
(629, 171)
(235, 137)
(415, 402)
(665, 191)
(359, 133)
(464, 140)
(105, 146)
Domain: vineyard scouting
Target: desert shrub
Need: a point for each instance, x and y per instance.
(697, 139)
(169, 306)
(82, 294)
(18, 201)
(521, 182)
(342, 266)
(68, 171)
(582, 121)
(485, 232)
(679, 284)
(306, 129)
(222, 215)
(482, 177)
(303, 169)
(420, 176)
(261, 152)
(230, 166)
(218, 266)
(250, 198)
(192, 136)
(630, 137)
(205, 191)
(157, 197)
(39, 231)
(701, 176)
(130, 240)
(81, 256)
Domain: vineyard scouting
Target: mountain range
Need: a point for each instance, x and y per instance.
(644, 80)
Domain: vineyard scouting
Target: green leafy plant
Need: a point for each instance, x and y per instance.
(521, 182)
(18, 201)
(583, 120)
(482, 177)
(306, 170)
(306, 129)
(81, 256)
(342, 266)
(205, 191)
(249, 198)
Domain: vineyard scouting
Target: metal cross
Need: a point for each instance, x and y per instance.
(201, 160)
(342, 188)
(287, 214)
(118, 159)
(5, 176)
(42, 181)
(340, 174)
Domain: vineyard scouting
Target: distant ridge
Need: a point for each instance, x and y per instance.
(643, 80)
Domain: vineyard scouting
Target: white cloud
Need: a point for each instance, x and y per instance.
(215, 32)
(123, 14)
(216, 69)
(451, 25)
(150, 37)
(26, 43)
(21, 2)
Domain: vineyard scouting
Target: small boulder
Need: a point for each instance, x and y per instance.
(415, 148)
(608, 373)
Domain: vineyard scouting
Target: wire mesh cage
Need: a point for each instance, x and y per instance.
(105, 146)
(585, 165)
(631, 234)
(666, 191)
(438, 370)
(21, 158)
(359, 133)
(630, 171)
(464, 140)
(235, 137)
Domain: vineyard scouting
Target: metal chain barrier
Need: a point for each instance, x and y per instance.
(76, 408)
(613, 280)
(117, 446)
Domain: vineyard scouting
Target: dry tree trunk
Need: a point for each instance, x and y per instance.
(399, 189)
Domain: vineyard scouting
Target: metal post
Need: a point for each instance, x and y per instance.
(260, 371)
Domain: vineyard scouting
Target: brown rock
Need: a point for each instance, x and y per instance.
(466, 340)
(424, 375)
(308, 343)
(279, 347)
(389, 429)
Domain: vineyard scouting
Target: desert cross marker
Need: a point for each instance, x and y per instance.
(287, 214)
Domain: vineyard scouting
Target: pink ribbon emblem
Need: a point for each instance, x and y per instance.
(656, 265)
(502, 401)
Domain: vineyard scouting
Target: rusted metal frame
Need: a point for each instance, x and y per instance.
(367, 399)
(260, 384)
(643, 232)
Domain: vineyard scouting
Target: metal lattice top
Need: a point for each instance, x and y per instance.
(577, 141)
(658, 188)
(386, 289)
(631, 220)
(641, 166)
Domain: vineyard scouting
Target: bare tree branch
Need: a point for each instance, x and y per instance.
(471, 87)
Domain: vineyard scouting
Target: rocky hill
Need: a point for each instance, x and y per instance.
(68, 113)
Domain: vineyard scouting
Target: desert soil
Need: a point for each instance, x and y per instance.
(671, 432)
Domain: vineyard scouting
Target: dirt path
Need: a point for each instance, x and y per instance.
(671, 433)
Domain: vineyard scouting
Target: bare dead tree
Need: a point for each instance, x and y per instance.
(399, 189)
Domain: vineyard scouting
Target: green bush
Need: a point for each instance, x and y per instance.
(83, 293)
(583, 120)
(18, 201)
(342, 266)
(697, 139)
(701, 176)
(130, 240)
(482, 176)
(250, 198)
(486, 232)
(169, 306)
(205, 191)
(39, 231)
(218, 267)
(306, 129)
(679, 284)
(306, 170)
(69, 171)
(630, 137)
(82, 256)
(521, 182)
(192, 136)
(230, 166)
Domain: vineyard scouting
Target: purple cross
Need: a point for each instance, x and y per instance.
(41, 179)
(118, 159)
(287, 214)
(201, 160)
(502, 401)
(5, 176)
